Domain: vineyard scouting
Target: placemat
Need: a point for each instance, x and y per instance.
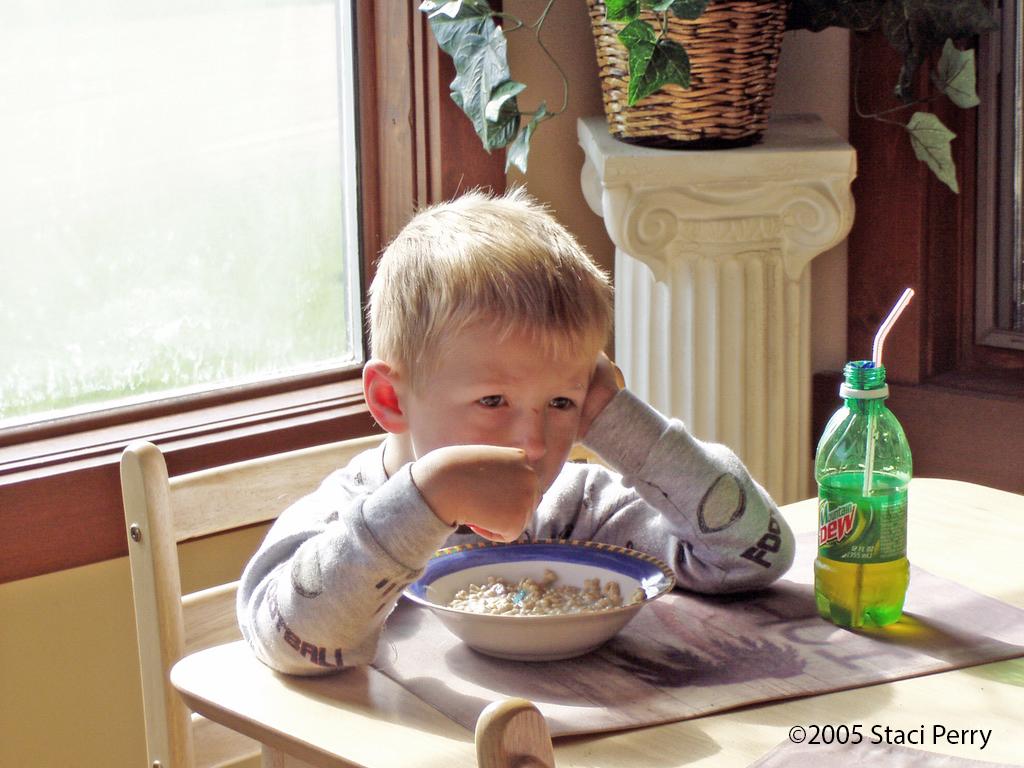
(688, 655)
(789, 755)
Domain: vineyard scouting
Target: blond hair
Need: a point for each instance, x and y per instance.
(503, 261)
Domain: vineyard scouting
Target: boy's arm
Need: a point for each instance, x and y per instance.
(314, 597)
(726, 532)
(492, 489)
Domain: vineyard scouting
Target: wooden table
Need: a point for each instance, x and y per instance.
(963, 532)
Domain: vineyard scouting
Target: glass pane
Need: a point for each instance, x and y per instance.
(173, 197)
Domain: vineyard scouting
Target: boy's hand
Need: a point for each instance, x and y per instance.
(493, 490)
(606, 383)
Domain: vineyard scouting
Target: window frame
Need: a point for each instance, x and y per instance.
(999, 171)
(911, 230)
(60, 499)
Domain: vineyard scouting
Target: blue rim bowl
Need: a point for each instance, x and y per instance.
(545, 637)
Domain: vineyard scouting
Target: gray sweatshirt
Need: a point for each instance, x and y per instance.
(315, 596)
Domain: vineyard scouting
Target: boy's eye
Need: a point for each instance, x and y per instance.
(561, 403)
(491, 401)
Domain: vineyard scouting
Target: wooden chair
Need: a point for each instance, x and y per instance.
(513, 734)
(160, 512)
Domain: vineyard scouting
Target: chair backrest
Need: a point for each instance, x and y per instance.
(161, 512)
(512, 733)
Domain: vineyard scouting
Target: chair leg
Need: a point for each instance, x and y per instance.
(513, 734)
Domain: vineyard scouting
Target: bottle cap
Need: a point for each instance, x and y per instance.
(846, 391)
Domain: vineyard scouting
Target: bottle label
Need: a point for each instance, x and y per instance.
(857, 529)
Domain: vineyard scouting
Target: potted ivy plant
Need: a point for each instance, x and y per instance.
(474, 35)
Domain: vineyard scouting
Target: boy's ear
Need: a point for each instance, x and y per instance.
(380, 391)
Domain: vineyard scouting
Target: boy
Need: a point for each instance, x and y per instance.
(487, 325)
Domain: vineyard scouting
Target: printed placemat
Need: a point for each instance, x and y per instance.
(688, 655)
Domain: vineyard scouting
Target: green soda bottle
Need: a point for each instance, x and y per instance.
(862, 467)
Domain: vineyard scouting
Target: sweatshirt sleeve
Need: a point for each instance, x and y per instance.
(314, 597)
(724, 532)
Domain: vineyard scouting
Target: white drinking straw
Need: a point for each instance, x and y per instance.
(876, 358)
(890, 321)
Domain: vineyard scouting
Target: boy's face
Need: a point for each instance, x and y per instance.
(509, 393)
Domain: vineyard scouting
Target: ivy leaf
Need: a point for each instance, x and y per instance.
(481, 72)
(622, 10)
(454, 19)
(689, 9)
(502, 99)
(652, 62)
(638, 39)
(629, 10)
(955, 76)
(519, 150)
(931, 142)
(502, 116)
(482, 88)
(449, 8)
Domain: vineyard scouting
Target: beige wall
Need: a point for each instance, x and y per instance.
(69, 681)
(68, 656)
(69, 659)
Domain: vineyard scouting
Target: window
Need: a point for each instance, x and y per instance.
(961, 402)
(60, 503)
(177, 202)
(1000, 265)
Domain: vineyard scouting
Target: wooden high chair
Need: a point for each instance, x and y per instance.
(160, 512)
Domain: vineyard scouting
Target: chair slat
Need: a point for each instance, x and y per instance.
(220, 747)
(210, 617)
(224, 498)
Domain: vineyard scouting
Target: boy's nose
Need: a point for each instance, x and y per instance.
(531, 435)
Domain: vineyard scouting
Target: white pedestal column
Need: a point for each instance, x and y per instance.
(712, 281)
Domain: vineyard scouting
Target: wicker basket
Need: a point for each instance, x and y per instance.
(734, 55)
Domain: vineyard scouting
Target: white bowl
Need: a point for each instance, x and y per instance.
(547, 637)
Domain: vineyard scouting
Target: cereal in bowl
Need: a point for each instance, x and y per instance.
(540, 598)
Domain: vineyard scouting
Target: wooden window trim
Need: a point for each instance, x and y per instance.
(961, 403)
(60, 499)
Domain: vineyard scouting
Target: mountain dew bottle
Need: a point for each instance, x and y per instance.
(862, 467)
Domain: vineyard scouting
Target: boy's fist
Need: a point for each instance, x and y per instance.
(493, 490)
(605, 384)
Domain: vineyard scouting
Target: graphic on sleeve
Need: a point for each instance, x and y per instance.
(766, 545)
(385, 587)
(322, 657)
(722, 505)
(307, 578)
